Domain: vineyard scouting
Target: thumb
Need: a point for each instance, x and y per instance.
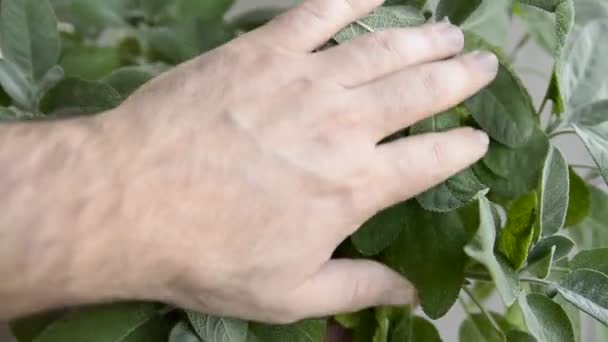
(345, 285)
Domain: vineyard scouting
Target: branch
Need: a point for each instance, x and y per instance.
(482, 309)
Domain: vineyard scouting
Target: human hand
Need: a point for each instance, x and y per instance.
(241, 171)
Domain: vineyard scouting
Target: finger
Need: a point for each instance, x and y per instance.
(313, 23)
(416, 164)
(399, 100)
(345, 285)
(377, 54)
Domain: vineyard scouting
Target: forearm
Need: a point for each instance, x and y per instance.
(56, 217)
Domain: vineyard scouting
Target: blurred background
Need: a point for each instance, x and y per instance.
(530, 57)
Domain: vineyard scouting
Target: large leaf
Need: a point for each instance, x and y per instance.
(381, 230)
(481, 249)
(595, 139)
(591, 114)
(580, 200)
(504, 109)
(540, 24)
(27, 329)
(29, 36)
(478, 328)
(594, 259)
(120, 322)
(181, 333)
(512, 173)
(90, 62)
(218, 329)
(455, 10)
(305, 331)
(415, 329)
(554, 193)
(209, 9)
(590, 10)
(582, 66)
(73, 96)
(593, 231)
(382, 18)
(430, 245)
(16, 85)
(491, 21)
(588, 291)
(545, 319)
(516, 237)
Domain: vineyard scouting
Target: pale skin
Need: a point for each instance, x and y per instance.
(226, 184)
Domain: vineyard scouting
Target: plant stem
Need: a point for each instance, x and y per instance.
(482, 309)
(543, 105)
(536, 281)
(365, 26)
(563, 132)
(522, 42)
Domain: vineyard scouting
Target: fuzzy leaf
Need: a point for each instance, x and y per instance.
(554, 193)
(592, 232)
(430, 244)
(16, 85)
(29, 37)
(580, 200)
(182, 333)
(491, 22)
(120, 322)
(128, 79)
(481, 249)
(381, 230)
(563, 247)
(594, 259)
(305, 331)
(545, 319)
(595, 139)
(590, 115)
(380, 19)
(478, 328)
(457, 11)
(516, 237)
(73, 96)
(588, 291)
(218, 329)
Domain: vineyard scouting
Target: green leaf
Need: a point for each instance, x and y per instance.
(563, 247)
(554, 193)
(519, 336)
(491, 21)
(594, 259)
(581, 67)
(16, 85)
(512, 173)
(504, 109)
(89, 17)
(381, 230)
(593, 231)
(457, 11)
(580, 200)
(7, 115)
(430, 244)
(382, 18)
(218, 329)
(73, 96)
(305, 331)
(128, 79)
(540, 24)
(590, 10)
(481, 249)
(516, 238)
(415, 329)
(547, 5)
(215, 9)
(541, 268)
(120, 322)
(574, 315)
(29, 37)
(545, 319)
(182, 333)
(478, 328)
(90, 62)
(588, 291)
(564, 17)
(27, 329)
(595, 139)
(590, 115)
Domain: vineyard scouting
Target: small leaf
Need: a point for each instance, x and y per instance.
(128, 79)
(430, 244)
(516, 237)
(381, 230)
(588, 291)
(563, 247)
(457, 11)
(580, 200)
(73, 96)
(593, 232)
(594, 259)
(596, 140)
(16, 85)
(504, 109)
(382, 18)
(218, 329)
(541, 268)
(305, 331)
(120, 322)
(478, 328)
(554, 192)
(481, 249)
(182, 333)
(545, 319)
(29, 37)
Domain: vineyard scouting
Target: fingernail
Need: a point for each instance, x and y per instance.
(486, 61)
(451, 34)
(482, 137)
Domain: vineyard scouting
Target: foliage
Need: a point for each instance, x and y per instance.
(505, 221)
